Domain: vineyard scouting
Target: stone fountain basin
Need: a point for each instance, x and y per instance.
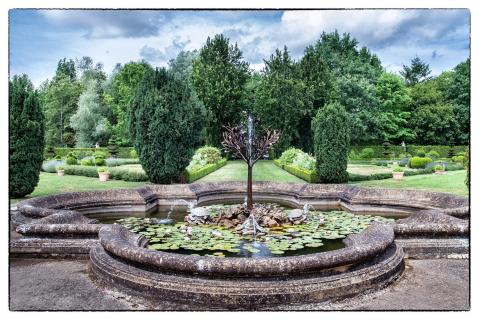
(62, 224)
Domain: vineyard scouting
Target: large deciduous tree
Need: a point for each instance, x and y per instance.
(26, 130)
(165, 119)
(219, 76)
(89, 122)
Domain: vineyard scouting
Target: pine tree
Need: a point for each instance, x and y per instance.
(418, 72)
(26, 129)
(331, 140)
(166, 119)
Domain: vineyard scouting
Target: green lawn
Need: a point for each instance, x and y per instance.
(50, 184)
(450, 182)
(262, 171)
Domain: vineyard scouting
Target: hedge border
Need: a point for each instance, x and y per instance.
(397, 149)
(204, 171)
(307, 175)
(123, 152)
(116, 173)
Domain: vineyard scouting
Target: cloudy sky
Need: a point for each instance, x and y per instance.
(39, 38)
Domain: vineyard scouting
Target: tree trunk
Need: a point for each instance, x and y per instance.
(249, 195)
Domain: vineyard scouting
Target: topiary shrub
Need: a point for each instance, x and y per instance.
(458, 159)
(421, 153)
(433, 155)
(331, 143)
(367, 153)
(113, 147)
(87, 162)
(165, 120)
(26, 130)
(419, 163)
(50, 152)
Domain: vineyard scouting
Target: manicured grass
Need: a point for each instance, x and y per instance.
(264, 170)
(51, 183)
(450, 182)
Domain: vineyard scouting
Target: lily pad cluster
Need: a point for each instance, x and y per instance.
(218, 241)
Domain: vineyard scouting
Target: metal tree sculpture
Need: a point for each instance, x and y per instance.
(242, 142)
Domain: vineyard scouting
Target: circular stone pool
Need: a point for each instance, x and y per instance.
(322, 231)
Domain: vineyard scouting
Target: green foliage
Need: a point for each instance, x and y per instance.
(468, 168)
(116, 173)
(71, 161)
(209, 154)
(434, 155)
(288, 156)
(281, 99)
(421, 153)
(90, 125)
(133, 154)
(219, 77)
(123, 152)
(459, 159)
(418, 162)
(102, 170)
(113, 146)
(182, 66)
(87, 162)
(119, 92)
(367, 153)
(50, 152)
(398, 169)
(193, 175)
(165, 121)
(51, 165)
(331, 140)
(115, 162)
(26, 129)
(438, 167)
(417, 72)
(310, 176)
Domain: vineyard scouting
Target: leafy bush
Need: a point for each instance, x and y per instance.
(304, 161)
(51, 165)
(288, 156)
(58, 157)
(398, 169)
(331, 142)
(418, 162)
(367, 153)
(115, 162)
(133, 154)
(165, 120)
(458, 159)
(116, 173)
(123, 152)
(209, 154)
(113, 147)
(205, 170)
(308, 175)
(403, 162)
(421, 153)
(453, 167)
(100, 161)
(102, 170)
(71, 161)
(88, 161)
(432, 154)
(353, 155)
(438, 167)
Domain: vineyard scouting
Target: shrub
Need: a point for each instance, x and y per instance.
(466, 165)
(133, 154)
(209, 154)
(288, 156)
(403, 162)
(398, 169)
(58, 157)
(113, 147)
(50, 152)
(458, 159)
(353, 155)
(51, 165)
(308, 175)
(115, 162)
(331, 142)
(102, 170)
(367, 153)
(204, 171)
(117, 173)
(421, 153)
(165, 120)
(71, 161)
(453, 167)
(433, 155)
(380, 163)
(304, 161)
(87, 162)
(60, 168)
(418, 162)
(100, 161)
(438, 167)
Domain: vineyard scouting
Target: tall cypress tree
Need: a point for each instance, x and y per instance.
(26, 129)
(166, 119)
(331, 140)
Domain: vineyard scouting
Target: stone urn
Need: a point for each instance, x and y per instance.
(61, 173)
(104, 176)
(398, 175)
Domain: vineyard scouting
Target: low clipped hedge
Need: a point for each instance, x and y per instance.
(123, 152)
(308, 175)
(412, 149)
(116, 173)
(204, 171)
(419, 162)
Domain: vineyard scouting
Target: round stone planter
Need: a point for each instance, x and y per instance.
(398, 175)
(104, 176)
(61, 172)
